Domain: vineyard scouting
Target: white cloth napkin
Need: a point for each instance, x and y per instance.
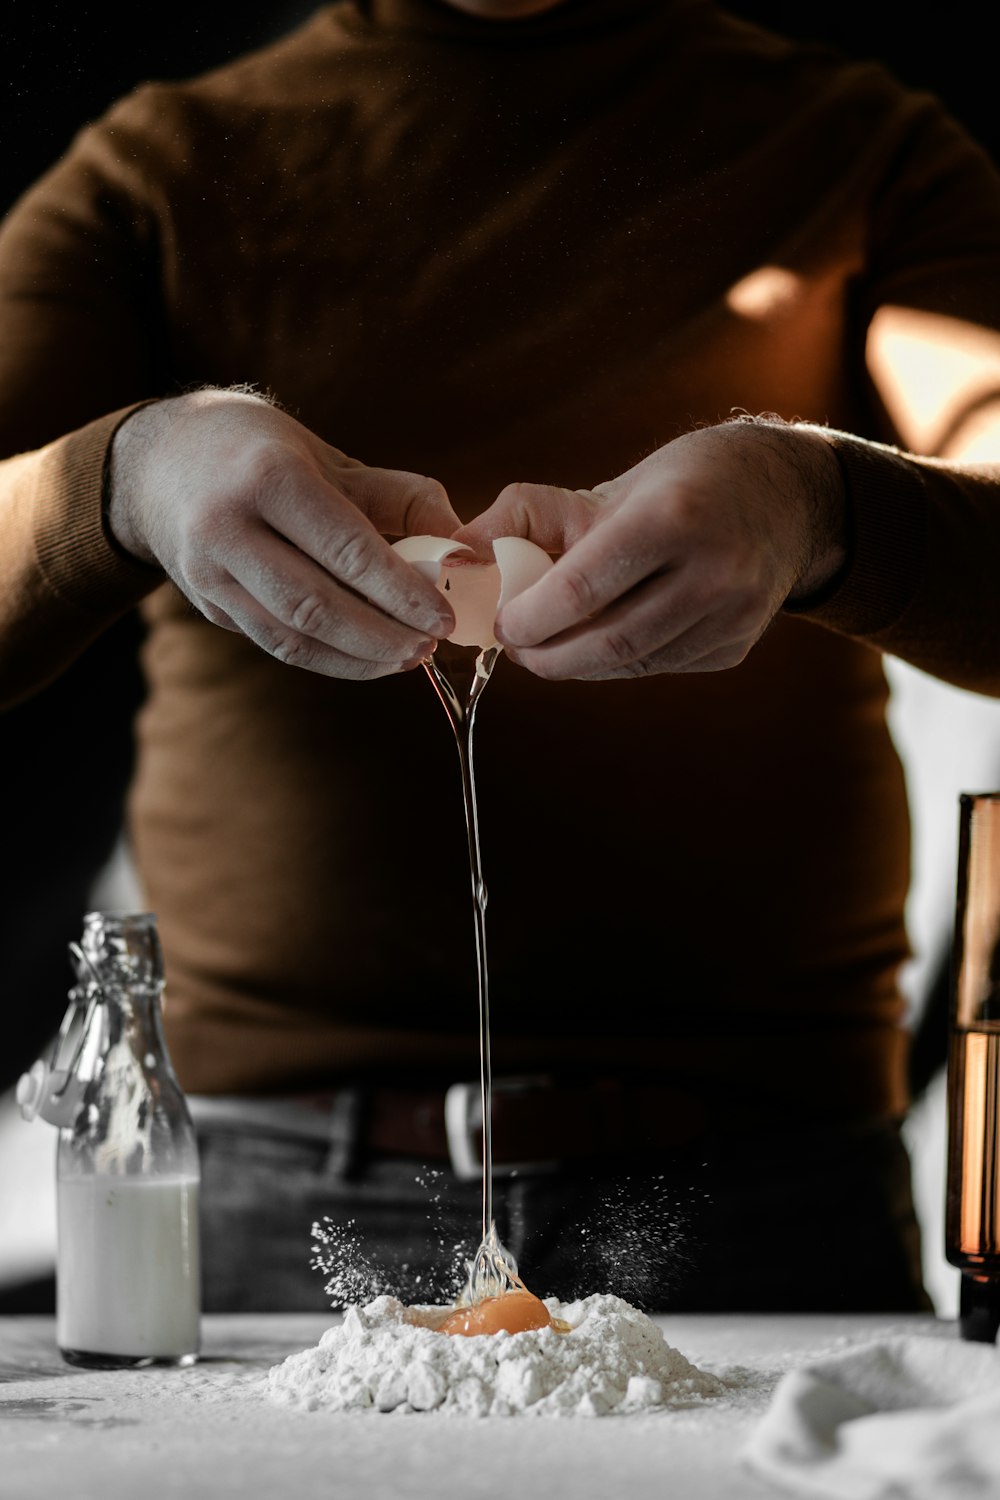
(907, 1418)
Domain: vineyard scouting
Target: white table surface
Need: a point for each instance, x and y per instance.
(210, 1431)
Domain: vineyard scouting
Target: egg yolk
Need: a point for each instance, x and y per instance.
(514, 1312)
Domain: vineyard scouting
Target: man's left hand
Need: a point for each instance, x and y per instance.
(681, 563)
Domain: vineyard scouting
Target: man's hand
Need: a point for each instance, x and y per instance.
(680, 564)
(270, 532)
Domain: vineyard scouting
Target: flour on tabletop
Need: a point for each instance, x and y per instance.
(614, 1361)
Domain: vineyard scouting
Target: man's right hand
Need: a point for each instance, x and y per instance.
(272, 533)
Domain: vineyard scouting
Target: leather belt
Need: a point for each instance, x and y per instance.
(537, 1122)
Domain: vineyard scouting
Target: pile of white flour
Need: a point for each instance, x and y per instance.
(613, 1361)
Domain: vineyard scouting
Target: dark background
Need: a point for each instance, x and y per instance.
(63, 64)
(65, 756)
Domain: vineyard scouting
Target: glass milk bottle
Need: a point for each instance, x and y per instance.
(128, 1273)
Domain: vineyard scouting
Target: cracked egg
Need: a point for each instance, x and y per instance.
(476, 591)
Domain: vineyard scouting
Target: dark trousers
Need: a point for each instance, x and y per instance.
(805, 1219)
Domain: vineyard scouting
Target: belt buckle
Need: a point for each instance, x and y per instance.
(463, 1125)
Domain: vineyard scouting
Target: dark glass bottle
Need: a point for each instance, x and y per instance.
(972, 1221)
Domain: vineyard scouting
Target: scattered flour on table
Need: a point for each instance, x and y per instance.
(613, 1361)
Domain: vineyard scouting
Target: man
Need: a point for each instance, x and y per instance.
(467, 246)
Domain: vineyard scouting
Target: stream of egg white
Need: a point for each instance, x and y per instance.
(493, 1270)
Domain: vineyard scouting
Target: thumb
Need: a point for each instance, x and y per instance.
(551, 517)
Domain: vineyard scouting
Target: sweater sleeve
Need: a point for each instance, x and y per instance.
(62, 580)
(924, 505)
(922, 580)
(79, 336)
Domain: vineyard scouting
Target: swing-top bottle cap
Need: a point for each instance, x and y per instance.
(31, 1089)
(52, 1086)
(119, 955)
(55, 1094)
(120, 950)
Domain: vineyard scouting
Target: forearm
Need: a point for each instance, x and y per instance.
(799, 460)
(920, 581)
(925, 516)
(62, 579)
